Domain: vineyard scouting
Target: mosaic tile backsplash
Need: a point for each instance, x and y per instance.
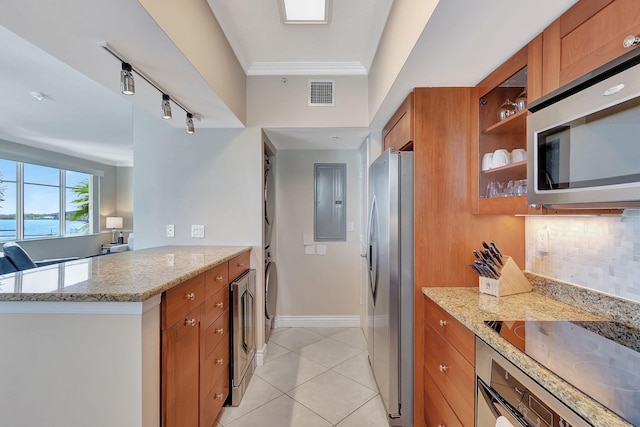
(599, 253)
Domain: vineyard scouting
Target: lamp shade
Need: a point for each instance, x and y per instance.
(114, 222)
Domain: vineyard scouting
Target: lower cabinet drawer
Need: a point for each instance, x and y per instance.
(239, 265)
(437, 412)
(215, 366)
(211, 404)
(452, 373)
(215, 306)
(216, 333)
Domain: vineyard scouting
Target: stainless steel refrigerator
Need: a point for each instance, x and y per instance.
(390, 263)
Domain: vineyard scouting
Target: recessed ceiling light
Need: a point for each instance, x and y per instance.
(37, 95)
(305, 11)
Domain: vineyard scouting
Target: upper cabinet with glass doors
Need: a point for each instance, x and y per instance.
(500, 159)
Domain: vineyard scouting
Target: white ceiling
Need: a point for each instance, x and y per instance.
(84, 114)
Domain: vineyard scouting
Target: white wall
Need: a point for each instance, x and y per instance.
(273, 104)
(405, 24)
(212, 178)
(314, 285)
(600, 253)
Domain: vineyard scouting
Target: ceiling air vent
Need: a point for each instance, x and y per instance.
(321, 93)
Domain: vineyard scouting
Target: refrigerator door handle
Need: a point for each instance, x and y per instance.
(372, 252)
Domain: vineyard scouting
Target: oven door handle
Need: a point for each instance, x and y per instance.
(498, 406)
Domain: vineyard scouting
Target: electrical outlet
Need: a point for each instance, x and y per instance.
(543, 240)
(170, 230)
(197, 231)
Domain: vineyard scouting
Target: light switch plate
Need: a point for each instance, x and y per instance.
(309, 250)
(197, 231)
(170, 230)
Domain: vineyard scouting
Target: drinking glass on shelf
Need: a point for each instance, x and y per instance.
(511, 189)
(507, 109)
(494, 189)
(521, 101)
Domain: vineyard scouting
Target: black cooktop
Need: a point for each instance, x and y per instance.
(602, 359)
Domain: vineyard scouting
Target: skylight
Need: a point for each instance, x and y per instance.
(305, 11)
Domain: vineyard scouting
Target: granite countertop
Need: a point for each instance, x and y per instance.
(132, 276)
(472, 309)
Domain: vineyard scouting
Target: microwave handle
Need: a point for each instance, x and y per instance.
(498, 406)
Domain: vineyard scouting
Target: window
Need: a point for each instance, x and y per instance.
(40, 202)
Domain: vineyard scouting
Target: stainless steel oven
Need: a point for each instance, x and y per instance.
(506, 395)
(243, 345)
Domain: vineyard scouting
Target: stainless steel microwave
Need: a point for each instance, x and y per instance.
(583, 141)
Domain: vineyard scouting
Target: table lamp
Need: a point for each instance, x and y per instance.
(114, 222)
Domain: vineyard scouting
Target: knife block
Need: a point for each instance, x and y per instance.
(511, 281)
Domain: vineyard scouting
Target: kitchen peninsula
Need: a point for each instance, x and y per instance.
(81, 340)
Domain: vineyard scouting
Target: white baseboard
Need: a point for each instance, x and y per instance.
(317, 321)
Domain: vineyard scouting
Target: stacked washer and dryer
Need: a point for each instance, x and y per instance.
(271, 274)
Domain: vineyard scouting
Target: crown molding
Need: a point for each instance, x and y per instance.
(302, 68)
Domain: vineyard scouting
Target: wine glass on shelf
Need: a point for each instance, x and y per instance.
(507, 109)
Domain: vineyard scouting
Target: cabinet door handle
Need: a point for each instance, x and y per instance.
(220, 331)
(219, 361)
(241, 264)
(443, 322)
(190, 296)
(219, 279)
(441, 425)
(220, 304)
(442, 368)
(189, 322)
(630, 41)
(219, 396)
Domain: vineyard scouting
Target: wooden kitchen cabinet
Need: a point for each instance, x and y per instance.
(449, 372)
(195, 348)
(398, 133)
(588, 35)
(521, 74)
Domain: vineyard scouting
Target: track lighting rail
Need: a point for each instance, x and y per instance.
(156, 86)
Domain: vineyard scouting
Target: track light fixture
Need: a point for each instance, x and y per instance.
(127, 85)
(166, 106)
(189, 125)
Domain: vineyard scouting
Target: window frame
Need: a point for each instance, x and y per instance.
(62, 187)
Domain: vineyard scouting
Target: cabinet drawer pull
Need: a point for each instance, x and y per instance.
(219, 396)
(441, 425)
(191, 296)
(189, 322)
(442, 368)
(219, 304)
(630, 41)
(219, 361)
(219, 279)
(220, 331)
(241, 264)
(443, 322)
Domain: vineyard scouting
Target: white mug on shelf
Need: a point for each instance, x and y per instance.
(500, 158)
(487, 161)
(518, 155)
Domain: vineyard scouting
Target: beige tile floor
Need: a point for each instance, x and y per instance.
(311, 377)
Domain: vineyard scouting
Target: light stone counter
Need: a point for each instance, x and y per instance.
(133, 276)
(472, 309)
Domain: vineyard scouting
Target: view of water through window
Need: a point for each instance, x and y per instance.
(32, 196)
